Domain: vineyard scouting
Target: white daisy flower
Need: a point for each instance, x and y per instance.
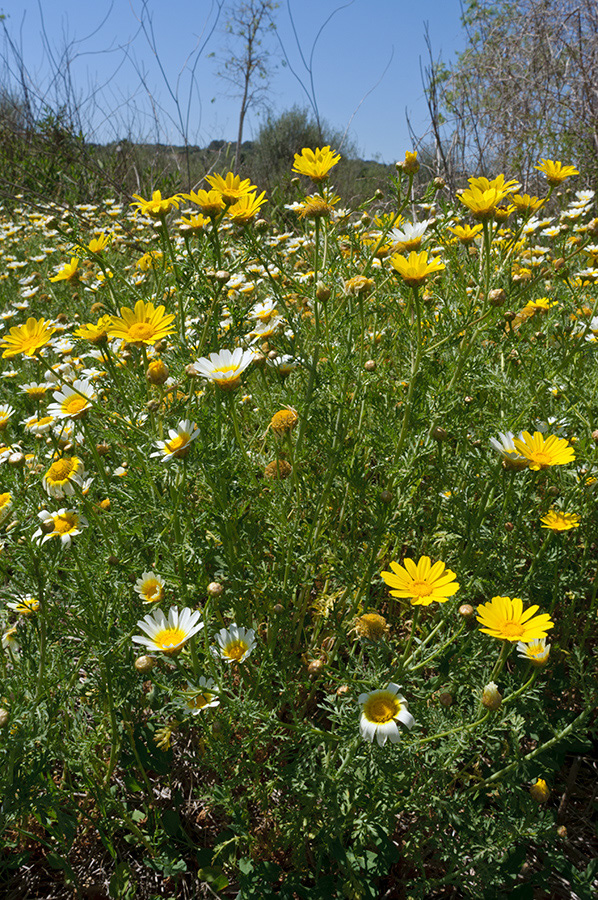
(224, 368)
(6, 411)
(380, 712)
(507, 449)
(168, 635)
(234, 643)
(179, 440)
(65, 524)
(72, 402)
(25, 606)
(150, 587)
(535, 652)
(204, 696)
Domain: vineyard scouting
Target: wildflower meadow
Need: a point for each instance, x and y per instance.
(298, 541)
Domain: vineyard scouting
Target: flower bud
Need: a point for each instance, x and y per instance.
(540, 792)
(595, 436)
(491, 698)
(439, 434)
(153, 405)
(17, 460)
(278, 608)
(145, 664)
(445, 699)
(315, 668)
(157, 372)
(4, 718)
(466, 610)
(322, 292)
(215, 589)
(386, 497)
(370, 365)
(497, 297)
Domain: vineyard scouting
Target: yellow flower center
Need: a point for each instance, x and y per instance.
(36, 392)
(29, 345)
(141, 331)
(511, 630)
(152, 589)
(381, 708)
(169, 638)
(201, 700)
(45, 420)
(61, 470)
(177, 443)
(541, 458)
(65, 524)
(236, 649)
(74, 404)
(420, 589)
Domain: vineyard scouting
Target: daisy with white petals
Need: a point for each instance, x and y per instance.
(150, 587)
(168, 635)
(72, 402)
(65, 524)
(204, 696)
(535, 652)
(224, 368)
(179, 440)
(380, 712)
(234, 643)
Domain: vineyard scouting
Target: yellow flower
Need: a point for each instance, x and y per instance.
(541, 453)
(149, 260)
(27, 338)
(526, 204)
(466, 233)
(506, 620)
(540, 792)
(497, 184)
(157, 206)
(482, 204)
(210, 203)
(415, 268)
(317, 206)
(316, 164)
(246, 208)
(145, 325)
(97, 334)
(193, 224)
(555, 171)
(560, 521)
(422, 583)
(96, 245)
(230, 188)
(69, 271)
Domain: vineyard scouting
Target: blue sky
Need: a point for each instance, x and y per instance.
(366, 65)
